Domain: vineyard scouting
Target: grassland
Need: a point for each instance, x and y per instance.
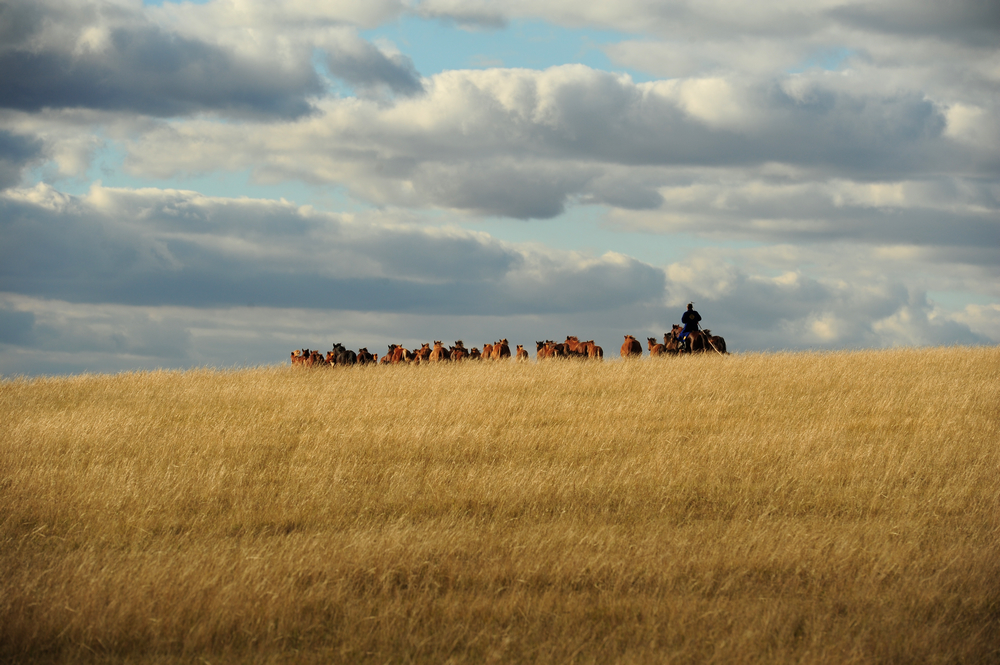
(828, 508)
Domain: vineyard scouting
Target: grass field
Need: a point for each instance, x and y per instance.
(828, 508)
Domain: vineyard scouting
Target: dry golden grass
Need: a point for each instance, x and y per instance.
(837, 508)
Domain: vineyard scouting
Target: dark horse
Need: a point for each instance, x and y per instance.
(716, 343)
(342, 355)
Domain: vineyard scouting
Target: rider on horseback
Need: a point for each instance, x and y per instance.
(690, 319)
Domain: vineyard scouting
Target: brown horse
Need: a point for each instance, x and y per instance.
(631, 347)
(501, 350)
(594, 352)
(574, 347)
(672, 342)
(422, 354)
(586, 349)
(556, 349)
(315, 359)
(439, 353)
(387, 356)
(655, 348)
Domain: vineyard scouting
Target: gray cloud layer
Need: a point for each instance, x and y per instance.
(154, 247)
(367, 67)
(101, 56)
(976, 22)
(16, 153)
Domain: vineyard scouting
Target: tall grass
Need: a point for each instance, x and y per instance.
(839, 507)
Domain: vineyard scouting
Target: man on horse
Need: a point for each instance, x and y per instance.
(690, 319)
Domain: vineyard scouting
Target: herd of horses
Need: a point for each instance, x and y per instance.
(674, 344)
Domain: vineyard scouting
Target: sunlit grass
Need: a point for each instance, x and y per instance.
(839, 507)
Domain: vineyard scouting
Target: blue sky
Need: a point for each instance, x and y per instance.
(437, 46)
(397, 172)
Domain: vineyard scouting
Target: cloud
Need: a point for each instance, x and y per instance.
(251, 59)
(16, 154)
(16, 326)
(174, 248)
(782, 207)
(232, 18)
(982, 319)
(524, 143)
(630, 189)
(369, 67)
(53, 337)
(796, 310)
(91, 55)
(974, 21)
(685, 58)
(498, 187)
(476, 14)
(721, 21)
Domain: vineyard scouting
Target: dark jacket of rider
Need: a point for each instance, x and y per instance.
(690, 319)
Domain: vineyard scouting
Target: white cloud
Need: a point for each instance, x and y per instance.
(973, 125)
(752, 205)
(700, 58)
(279, 16)
(717, 102)
(982, 319)
(783, 299)
(481, 141)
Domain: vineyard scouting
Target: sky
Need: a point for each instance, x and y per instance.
(191, 184)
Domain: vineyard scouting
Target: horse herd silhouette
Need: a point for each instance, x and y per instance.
(699, 341)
